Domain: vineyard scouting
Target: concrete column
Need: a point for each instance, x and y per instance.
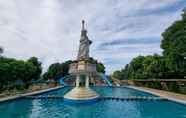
(77, 80)
(87, 81)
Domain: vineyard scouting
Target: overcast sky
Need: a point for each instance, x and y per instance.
(119, 29)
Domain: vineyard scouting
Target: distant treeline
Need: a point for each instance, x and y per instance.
(19, 74)
(171, 64)
(58, 70)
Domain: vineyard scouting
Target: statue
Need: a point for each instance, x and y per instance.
(84, 71)
(85, 43)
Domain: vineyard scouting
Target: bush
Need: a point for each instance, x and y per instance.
(155, 85)
(173, 87)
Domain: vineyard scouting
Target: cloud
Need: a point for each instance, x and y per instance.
(120, 29)
(147, 41)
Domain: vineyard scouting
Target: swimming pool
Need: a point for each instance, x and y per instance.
(56, 108)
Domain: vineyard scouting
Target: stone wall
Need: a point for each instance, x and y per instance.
(174, 85)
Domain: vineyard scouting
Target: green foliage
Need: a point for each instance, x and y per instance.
(37, 64)
(155, 85)
(99, 66)
(121, 75)
(174, 47)
(173, 87)
(118, 74)
(57, 70)
(12, 70)
(136, 68)
(141, 67)
(172, 64)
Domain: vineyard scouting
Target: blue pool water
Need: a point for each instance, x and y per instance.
(105, 91)
(27, 108)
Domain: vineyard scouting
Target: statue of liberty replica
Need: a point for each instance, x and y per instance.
(83, 70)
(85, 43)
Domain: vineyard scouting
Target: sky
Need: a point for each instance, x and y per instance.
(120, 29)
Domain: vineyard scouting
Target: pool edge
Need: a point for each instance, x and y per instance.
(158, 94)
(28, 94)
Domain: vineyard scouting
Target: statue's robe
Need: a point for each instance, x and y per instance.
(85, 43)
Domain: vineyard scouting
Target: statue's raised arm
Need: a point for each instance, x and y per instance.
(85, 43)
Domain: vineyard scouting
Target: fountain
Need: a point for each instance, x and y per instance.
(83, 70)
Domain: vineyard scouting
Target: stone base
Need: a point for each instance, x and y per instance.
(81, 95)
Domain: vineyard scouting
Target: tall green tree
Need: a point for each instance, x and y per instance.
(174, 48)
(136, 68)
(37, 64)
(172, 64)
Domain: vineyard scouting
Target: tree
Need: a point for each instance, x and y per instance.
(37, 64)
(118, 75)
(121, 74)
(143, 67)
(57, 70)
(174, 48)
(12, 70)
(172, 64)
(65, 67)
(54, 71)
(154, 67)
(99, 66)
(136, 68)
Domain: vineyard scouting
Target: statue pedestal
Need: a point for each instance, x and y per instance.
(82, 93)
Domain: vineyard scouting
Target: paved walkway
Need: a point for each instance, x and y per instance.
(27, 94)
(180, 98)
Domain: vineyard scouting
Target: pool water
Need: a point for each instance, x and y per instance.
(105, 91)
(56, 108)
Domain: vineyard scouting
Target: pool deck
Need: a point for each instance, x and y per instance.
(179, 98)
(27, 94)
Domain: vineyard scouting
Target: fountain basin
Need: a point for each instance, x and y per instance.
(81, 95)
